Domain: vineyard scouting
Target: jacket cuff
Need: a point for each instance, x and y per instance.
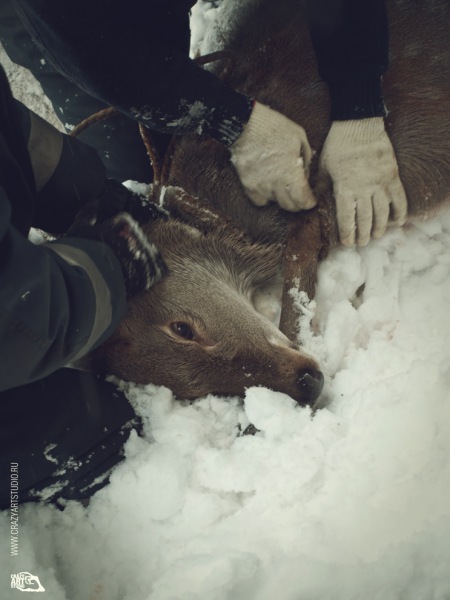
(356, 100)
(105, 275)
(234, 116)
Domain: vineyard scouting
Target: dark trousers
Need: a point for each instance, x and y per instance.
(61, 436)
(117, 139)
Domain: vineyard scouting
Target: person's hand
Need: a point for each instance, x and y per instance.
(359, 159)
(142, 264)
(272, 157)
(116, 198)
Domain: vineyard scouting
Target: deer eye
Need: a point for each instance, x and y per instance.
(183, 330)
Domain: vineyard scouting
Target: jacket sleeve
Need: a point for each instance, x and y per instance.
(67, 173)
(134, 56)
(350, 39)
(57, 301)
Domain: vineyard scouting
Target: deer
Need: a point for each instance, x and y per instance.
(201, 330)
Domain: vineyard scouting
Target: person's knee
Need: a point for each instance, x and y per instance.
(72, 433)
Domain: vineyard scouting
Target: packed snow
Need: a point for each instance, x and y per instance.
(348, 503)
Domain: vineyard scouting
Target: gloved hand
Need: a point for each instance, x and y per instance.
(116, 198)
(272, 157)
(142, 264)
(359, 158)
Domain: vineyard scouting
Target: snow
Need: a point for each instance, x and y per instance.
(346, 503)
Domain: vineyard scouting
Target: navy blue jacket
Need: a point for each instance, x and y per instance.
(350, 39)
(60, 299)
(135, 57)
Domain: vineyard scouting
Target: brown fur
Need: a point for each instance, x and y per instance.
(215, 272)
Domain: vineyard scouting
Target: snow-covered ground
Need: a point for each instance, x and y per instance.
(351, 503)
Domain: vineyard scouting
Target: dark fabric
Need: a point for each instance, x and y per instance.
(65, 433)
(47, 307)
(350, 39)
(16, 175)
(134, 56)
(142, 266)
(62, 431)
(79, 177)
(142, 66)
(117, 139)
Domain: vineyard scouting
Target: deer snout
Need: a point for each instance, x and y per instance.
(310, 384)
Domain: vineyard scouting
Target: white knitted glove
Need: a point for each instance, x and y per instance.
(272, 157)
(359, 158)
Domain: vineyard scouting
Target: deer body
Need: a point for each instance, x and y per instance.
(198, 331)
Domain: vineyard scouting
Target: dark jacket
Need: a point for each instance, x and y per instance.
(135, 57)
(60, 299)
(350, 39)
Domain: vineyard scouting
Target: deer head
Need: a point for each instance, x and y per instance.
(198, 331)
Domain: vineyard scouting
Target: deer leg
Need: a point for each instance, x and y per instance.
(305, 247)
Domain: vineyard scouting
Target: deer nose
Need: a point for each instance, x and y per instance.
(310, 382)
